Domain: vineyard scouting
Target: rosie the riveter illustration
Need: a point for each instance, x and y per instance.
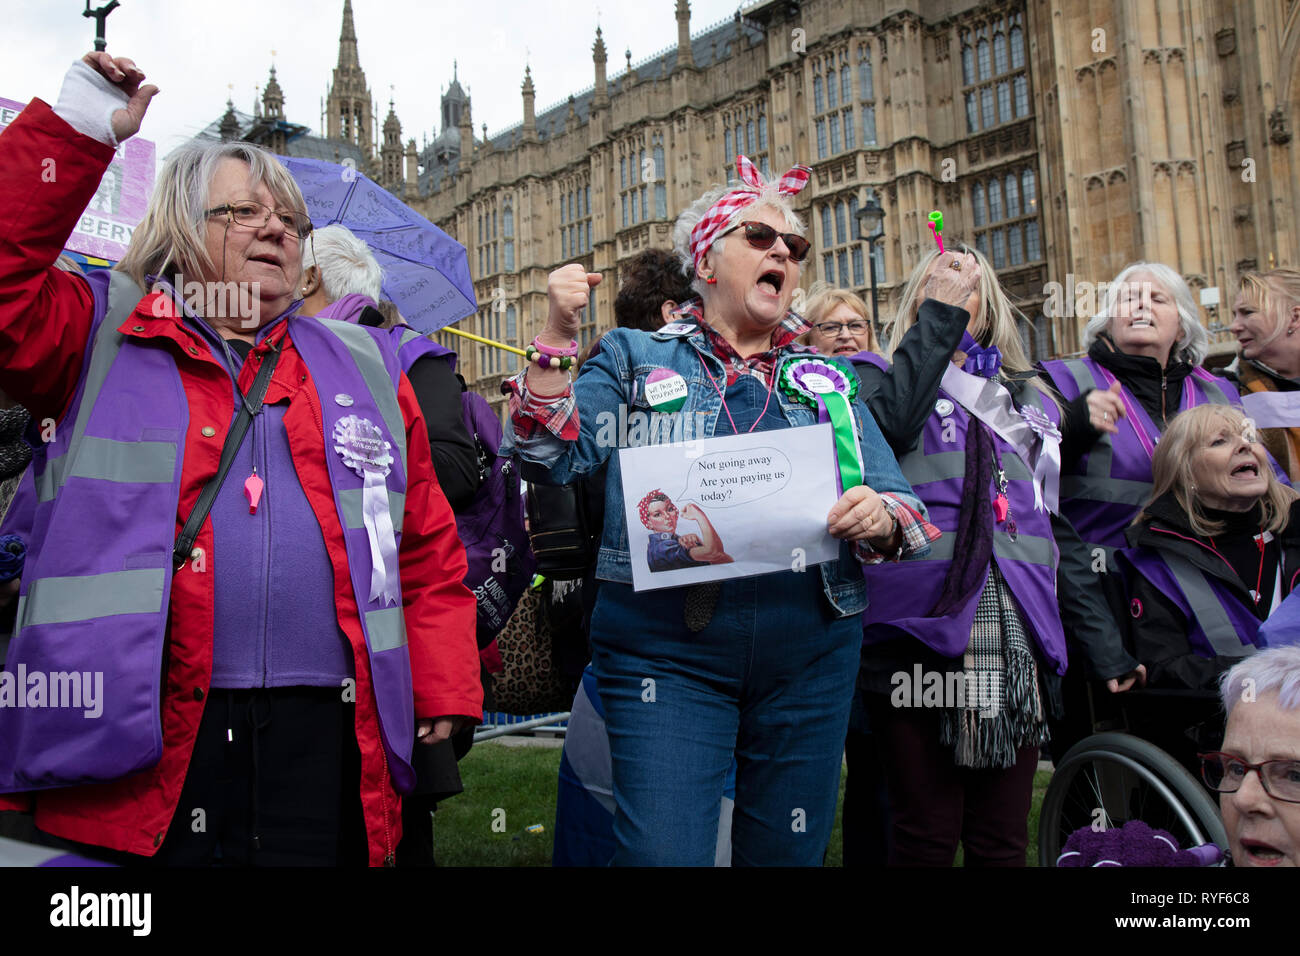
(669, 552)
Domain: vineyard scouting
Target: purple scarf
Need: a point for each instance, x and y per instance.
(348, 308)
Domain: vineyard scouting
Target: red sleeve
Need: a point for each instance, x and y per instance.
(440, 610)
(48, 174)
(21, 802)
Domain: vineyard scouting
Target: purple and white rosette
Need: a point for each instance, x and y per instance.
(365, 451)
(1047, 464)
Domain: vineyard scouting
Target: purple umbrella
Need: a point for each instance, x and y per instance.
(426, 272)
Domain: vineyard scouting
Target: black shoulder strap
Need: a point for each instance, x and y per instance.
(251, 406)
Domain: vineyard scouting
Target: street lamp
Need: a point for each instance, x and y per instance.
(871, 227)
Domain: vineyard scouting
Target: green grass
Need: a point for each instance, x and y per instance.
(510, 788)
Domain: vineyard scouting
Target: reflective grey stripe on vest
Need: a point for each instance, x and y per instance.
(1214, 394)
(1111, 490)
(387, 629)
(98, 458)
(920, 468)
(410, 335)
(1209, 612)
(92, 596)
(104, 459)
(1102, 453)
(370, 363)
(13, 853)
(1027, 547)
(350, 499)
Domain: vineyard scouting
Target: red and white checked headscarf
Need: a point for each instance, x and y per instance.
(715, 222)
(643, 506)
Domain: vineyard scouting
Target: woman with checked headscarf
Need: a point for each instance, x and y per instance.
(759, 668)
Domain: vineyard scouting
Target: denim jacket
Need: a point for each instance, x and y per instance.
(614, 413)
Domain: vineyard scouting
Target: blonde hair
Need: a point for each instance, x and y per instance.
(995, 325)
(1172, 469)
(170, 237)
(1274, 293)
(823, 299)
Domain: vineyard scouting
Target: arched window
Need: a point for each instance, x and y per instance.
(835, 133)
(967, 66)
(762, 132)
(832, 90)
(1004, 102)
(982, 54)
(1000, 53)
(728, 154)
(828, 240)
(865, 88)
(818, 99)
(972, 114)
(1033, 250)
(846, 85)
(868, 125)
(508, 226)
(1017, 48)
(977, 204)
(660, 169)
(841, 232)
(1022, 95)
(749, 137)
(995, 201)
(986, 107)
(1013, 240)
(1029, 191)
(1013, 197)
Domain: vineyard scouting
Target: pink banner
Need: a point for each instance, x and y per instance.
(105, 228)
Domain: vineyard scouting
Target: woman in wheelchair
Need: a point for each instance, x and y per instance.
(1213, 552)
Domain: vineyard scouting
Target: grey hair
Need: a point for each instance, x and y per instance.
(170, 237)
(346, 263)
(1192, 334)
(1271, 669)
(768, 196)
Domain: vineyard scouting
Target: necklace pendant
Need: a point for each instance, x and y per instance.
(1011, 529)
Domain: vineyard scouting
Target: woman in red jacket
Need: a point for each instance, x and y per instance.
(265, 669)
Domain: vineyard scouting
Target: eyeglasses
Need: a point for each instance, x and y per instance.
(832, 329)
(1225, 773)
(762, 236)
(246, 212)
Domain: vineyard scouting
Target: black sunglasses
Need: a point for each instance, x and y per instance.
(762, 236)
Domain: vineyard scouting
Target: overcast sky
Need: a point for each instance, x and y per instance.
(193, 49)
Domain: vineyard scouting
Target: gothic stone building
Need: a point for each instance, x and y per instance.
(1064, 138)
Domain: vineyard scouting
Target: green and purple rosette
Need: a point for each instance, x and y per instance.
(828, 384)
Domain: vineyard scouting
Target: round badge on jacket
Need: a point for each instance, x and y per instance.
(943, 408)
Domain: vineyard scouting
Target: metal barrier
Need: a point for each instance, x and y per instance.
(496, 724)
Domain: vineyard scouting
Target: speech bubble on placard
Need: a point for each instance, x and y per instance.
(727, 479)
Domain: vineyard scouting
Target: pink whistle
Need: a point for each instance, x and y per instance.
(1000, 508)
(253, 486)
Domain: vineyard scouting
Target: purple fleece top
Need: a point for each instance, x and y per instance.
(348, 308)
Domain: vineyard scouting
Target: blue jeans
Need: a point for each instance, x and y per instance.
(769, 680)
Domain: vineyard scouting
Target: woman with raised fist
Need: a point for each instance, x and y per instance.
(759, 668)
(215, 535)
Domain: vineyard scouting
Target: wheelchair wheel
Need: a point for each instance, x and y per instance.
(1126, 778)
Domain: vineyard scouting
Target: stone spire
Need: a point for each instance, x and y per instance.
(530, 118)
(391, 152)
(601, 96)
(685, 60)
(466, 137)
(348, 59)
(229, 127)
(349, 110)
(273, 98)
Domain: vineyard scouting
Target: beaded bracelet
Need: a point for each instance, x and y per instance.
(562, 362)
(571, 350)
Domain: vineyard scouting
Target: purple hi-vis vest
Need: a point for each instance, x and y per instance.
(902, 593)
(1103, 491)
(1218, 623)
(95, 598)
(411, 345)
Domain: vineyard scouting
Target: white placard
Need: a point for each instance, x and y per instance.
(738, 505)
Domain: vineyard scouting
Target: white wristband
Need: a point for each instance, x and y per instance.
(88, 101)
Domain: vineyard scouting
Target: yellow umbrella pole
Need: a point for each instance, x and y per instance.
(479, 338)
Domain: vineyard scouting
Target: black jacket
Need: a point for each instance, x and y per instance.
(438, 390)
(1155, 629)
